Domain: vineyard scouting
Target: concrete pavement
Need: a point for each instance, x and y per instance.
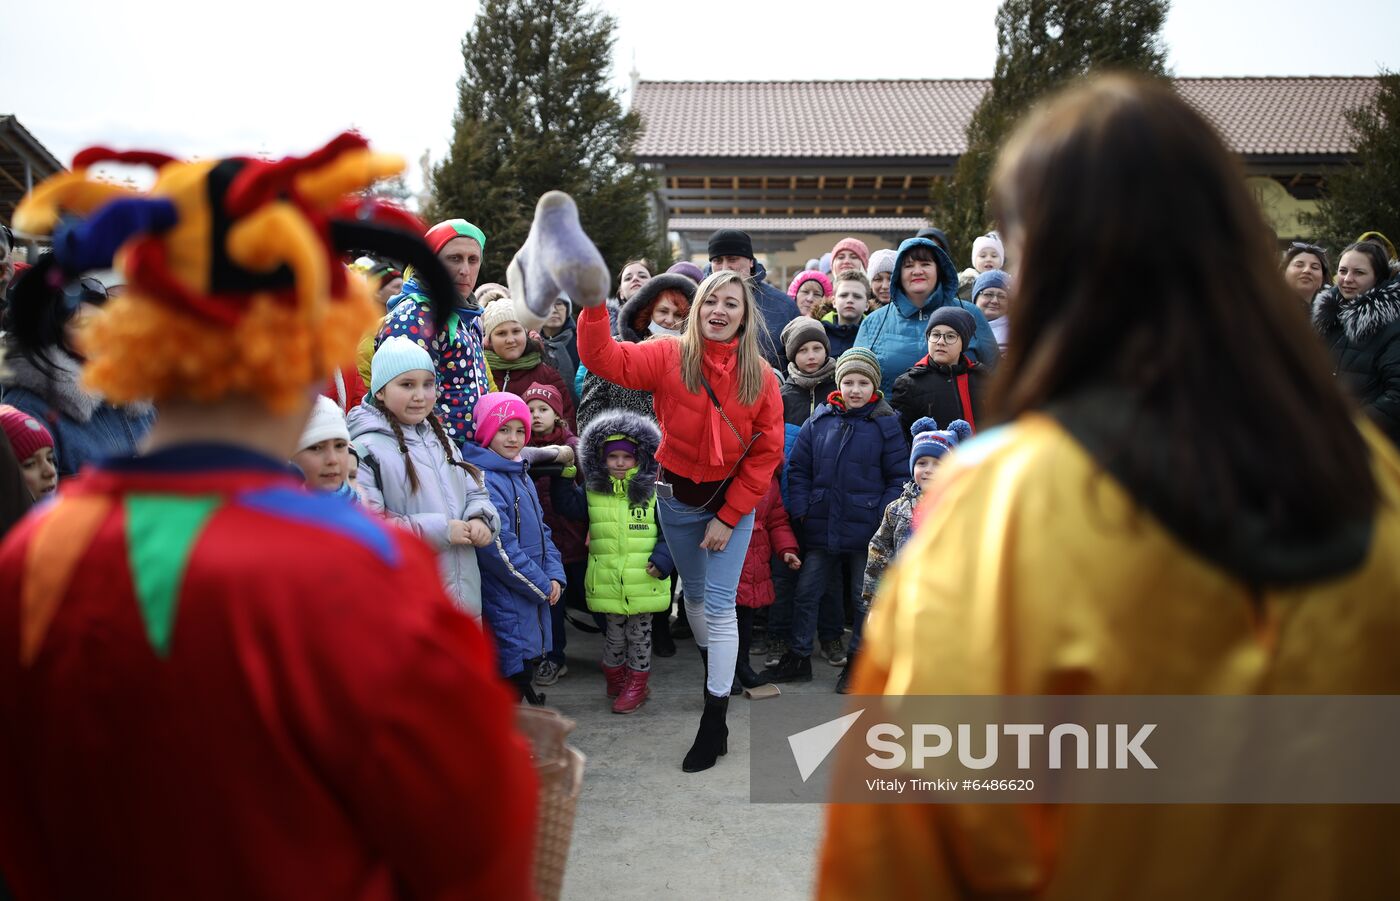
(645, 829)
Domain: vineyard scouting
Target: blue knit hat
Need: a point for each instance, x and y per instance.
(929, 441)
(994, 278)
(394, 357)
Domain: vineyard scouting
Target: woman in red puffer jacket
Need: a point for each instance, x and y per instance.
(721, 418)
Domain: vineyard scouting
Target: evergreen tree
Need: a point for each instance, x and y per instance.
(1041, 45)
(535, 113)
(1364, 195)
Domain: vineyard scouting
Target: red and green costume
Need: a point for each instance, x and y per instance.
(214, 684)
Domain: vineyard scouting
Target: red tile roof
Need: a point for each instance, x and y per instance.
(903, 119)
(752, 224)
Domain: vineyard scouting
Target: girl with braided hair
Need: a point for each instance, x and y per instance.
(415, 474)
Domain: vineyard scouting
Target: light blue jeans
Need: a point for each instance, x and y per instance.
(709, 582)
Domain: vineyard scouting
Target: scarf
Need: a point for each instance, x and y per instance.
(527, 361)
(838, 403)
(662, 330)
(807, 382)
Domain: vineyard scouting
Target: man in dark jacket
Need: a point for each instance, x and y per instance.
(732, 249)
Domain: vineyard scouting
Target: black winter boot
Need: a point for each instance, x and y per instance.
(662, 644)
(524, 689)
(843, 681)
(712, 739)
(792, 668)
(744, 675)
(681, 629)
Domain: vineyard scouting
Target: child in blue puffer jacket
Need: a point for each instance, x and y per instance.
(521, 571)
(849, 462)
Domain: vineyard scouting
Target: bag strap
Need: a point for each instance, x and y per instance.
(722, 415)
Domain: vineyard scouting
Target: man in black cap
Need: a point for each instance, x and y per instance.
(731, 249)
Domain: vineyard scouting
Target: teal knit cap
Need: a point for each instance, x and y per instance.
(394, 357)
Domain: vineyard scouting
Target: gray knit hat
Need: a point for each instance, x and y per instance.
(858, 360)
(801, 330)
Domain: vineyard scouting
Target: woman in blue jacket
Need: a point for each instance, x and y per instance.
(924, 280)
(43, 364)
(850, 461)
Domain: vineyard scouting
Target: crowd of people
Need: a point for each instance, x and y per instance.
(699, 453)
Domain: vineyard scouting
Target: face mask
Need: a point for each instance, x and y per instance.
(662, 330)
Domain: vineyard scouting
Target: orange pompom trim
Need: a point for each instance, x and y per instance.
(140, 349)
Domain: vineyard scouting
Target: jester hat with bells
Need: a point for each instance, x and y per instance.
(235, 285)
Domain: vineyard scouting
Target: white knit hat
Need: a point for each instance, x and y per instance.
(990, 239)
(326, 422)
(498, 312)
(882, 261)
(394, 357)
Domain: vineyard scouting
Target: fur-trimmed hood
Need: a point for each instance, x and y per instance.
(646, 296)
(642, 432)
(1361, 319)
(63, 391)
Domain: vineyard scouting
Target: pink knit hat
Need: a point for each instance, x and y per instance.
(495, 410)
(27, 435)
(810, 275)
(855, 245)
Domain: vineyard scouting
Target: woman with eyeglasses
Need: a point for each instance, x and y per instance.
(946, 384)
(1180, 502)
(1359, 318)
(1306, 270)
(43, 355)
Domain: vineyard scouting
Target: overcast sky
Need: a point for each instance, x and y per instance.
(282, 77)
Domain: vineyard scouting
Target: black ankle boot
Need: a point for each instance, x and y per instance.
(843, 681)
(792, 668)
(747, 676)
(662, 644)
(712, 739)
(744, 675)
(524, 689)
(681, 629)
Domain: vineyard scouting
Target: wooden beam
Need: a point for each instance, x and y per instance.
(792, 183)
(707, 182)
(734, 183)
(798, 193)
(850, 182)
(879, 182)
(907, 180)
(821, 181)
(14, 181)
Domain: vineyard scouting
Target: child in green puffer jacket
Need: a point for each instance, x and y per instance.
(629, 566)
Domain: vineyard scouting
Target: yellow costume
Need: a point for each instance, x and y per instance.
(1036, 573)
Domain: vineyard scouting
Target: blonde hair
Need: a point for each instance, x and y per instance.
(753, 368)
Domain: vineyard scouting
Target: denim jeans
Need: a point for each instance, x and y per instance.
(709, 582)
(818, 600)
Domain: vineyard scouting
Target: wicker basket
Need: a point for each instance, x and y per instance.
(560, 771)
